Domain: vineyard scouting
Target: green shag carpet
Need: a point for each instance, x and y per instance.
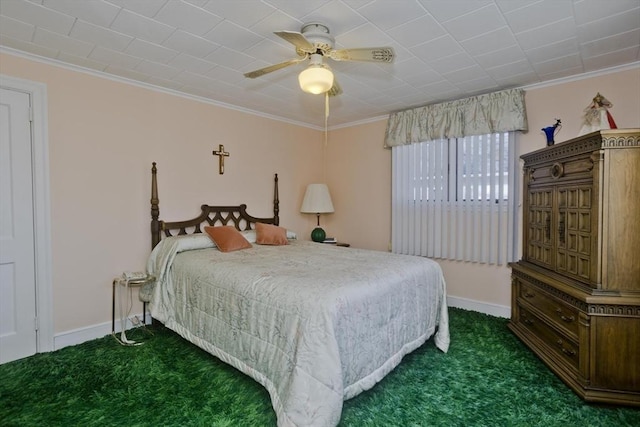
(488, 378)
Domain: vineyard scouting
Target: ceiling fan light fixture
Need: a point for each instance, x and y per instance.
(316, 79)
(314, 43)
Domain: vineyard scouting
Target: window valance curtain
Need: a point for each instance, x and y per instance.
(502, 111)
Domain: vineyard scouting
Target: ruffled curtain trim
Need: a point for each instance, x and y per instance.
(502, 111)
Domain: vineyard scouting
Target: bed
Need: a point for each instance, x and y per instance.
(315, 324)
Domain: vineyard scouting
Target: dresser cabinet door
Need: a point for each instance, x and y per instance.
(574, 234)
(539, 233)
(561, 222)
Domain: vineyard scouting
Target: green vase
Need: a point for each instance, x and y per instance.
(318, 235)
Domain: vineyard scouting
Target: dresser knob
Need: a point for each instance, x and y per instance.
(528, 294)
(568, 352)
(564, 318)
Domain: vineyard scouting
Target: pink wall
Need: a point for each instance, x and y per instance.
(359, 178)
(359, 172)
(103, 136)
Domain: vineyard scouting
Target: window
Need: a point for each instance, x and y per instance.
(455, 198)
(482, 167)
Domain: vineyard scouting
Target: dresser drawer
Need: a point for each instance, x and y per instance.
(561, 170)
(559, 312)
(561, 345)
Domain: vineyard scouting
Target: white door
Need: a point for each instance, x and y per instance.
(17, 251)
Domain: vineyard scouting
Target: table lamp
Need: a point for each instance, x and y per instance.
(317, 200)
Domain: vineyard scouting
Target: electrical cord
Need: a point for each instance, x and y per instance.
(124, 282)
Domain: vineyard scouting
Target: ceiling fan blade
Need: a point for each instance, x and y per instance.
(297, 39)
(271, 68)
(369, 54)
(335, 89)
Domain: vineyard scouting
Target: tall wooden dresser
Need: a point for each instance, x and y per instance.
(576, 290)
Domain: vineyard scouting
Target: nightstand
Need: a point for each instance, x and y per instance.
(333, 242)
(131, 283)
(344, 245)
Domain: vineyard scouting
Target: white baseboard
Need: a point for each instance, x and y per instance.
(80, 335)
(479, 306)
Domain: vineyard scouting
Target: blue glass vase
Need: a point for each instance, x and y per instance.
(550, 132)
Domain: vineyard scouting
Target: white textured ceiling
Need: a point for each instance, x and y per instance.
(445, 49)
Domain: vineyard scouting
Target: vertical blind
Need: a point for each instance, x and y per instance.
(456, 198)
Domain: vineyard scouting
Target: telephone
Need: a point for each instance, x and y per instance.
(132, 276)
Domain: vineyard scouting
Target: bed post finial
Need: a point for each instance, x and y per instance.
(276, 202)
(155, 209)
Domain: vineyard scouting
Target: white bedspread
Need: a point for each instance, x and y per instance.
(314, 324)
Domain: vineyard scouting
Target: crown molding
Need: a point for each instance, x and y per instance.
(120, 79)
(359, 122)
(125, 80)
(583, 76)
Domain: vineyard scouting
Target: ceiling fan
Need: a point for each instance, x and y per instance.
(314, 42)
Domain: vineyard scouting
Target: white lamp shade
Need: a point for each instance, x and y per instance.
(317, 199)
(316, 79)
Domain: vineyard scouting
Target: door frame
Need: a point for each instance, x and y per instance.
(41, 206)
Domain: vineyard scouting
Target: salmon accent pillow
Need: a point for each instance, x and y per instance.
(267, 234)
(227, 238)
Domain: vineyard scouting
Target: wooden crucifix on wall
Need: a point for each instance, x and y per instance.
(221, 155)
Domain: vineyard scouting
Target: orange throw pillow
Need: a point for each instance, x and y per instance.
(227, 238)
(267, 234)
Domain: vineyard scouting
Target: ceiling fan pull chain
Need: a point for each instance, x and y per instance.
(326, 118)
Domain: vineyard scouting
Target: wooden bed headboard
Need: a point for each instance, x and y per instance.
(210, 215)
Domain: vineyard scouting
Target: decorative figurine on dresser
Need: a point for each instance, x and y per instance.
(576, 290)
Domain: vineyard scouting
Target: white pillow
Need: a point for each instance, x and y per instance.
(250, 235)
(188, 242)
